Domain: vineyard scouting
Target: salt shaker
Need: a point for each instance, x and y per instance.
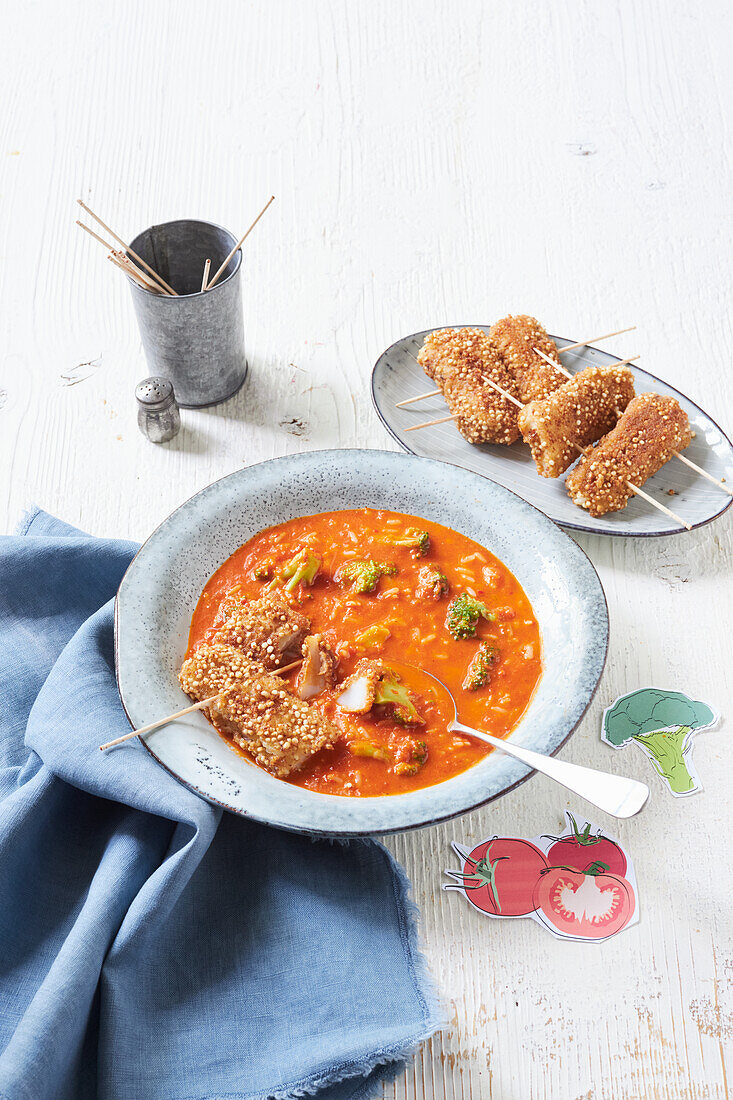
(158, 417)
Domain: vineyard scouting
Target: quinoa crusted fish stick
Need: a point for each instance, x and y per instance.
(447, 350)
(260, 713)
(461, 361)
(651, 429)
(516, 338)
(575, 415)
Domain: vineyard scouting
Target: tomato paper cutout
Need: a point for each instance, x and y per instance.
(581, 849)
(584, 905)
(499, 875)
(580, 885)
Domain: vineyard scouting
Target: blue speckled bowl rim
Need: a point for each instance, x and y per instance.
(586, 527)
(422, 822)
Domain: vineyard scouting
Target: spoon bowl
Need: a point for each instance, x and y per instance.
(614, 794)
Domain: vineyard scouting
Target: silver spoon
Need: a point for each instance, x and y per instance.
(614, 794)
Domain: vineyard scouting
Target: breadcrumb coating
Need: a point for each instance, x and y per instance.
(261, 714)
(651, 429)
(574, 416)
(267, 630)
(515, 337)
(460, 361)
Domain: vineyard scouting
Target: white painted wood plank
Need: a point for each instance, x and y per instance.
(431, 164)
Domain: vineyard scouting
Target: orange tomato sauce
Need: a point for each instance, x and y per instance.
(417, 637)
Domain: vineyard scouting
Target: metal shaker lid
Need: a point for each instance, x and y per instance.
(154, 393)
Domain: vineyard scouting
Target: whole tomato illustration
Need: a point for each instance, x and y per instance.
(590, 905)
(500, 875)
(579, 850)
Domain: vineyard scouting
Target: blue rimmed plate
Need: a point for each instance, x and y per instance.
(159, 591)
(397, 376)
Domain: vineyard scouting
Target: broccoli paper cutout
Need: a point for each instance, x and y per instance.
(663, 723)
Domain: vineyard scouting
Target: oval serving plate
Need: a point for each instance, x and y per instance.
(397, 376)
(159, 591)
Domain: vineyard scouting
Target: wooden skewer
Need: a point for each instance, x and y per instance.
(109, 247)
(429, 423)
(504, 393)
(130, 272)
(420, 397)
(134, 270)
(698, 469)
(207, 269)
(567, 373)
(186, 710)
(120, 257)
(661, 507)
(596, 339)
(158, 278)
(162, 721)
(239, 243)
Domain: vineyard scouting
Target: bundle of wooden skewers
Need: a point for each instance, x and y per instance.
(141, 273)
(510, 382)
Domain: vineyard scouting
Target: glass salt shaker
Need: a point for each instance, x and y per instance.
(158, 417)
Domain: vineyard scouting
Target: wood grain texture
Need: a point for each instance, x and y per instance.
(432, 164)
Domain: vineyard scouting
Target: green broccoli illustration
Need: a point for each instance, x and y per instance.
(663, 723)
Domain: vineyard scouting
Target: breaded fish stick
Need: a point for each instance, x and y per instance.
(267, 630)
(481, 414)
(516, 337)
(580, 412)
(460, 361)
(448, 350)
(260, 713)
(651, 429)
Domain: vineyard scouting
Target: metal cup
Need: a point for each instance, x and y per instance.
(197, 339)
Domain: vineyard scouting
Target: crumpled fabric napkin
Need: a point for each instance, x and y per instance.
(152, 946)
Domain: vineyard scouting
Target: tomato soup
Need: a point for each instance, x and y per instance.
(411, 632)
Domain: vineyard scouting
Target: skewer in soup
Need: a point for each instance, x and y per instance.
(368, 599)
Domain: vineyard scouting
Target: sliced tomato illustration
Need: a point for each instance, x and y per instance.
(579, 849)
(589, 906)
(500, 876)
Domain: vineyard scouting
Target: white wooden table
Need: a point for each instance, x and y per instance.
(433, 163)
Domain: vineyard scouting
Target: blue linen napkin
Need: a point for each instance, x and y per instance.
(152, 946)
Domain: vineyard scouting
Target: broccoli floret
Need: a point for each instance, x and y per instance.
(419, 541)
(263, 569)
(365, 575)
(416, 753)
(302, 569)
(391, 692)
(480, 667)
(463, 615)
(431, 583)
(371, 749)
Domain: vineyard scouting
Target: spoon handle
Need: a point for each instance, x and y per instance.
(614, 794)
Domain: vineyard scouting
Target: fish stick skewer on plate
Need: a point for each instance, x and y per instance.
(463, 362)
(519, 339)
(650, 431)
(576, 414)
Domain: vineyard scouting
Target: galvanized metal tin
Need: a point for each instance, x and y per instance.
(196, 339)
